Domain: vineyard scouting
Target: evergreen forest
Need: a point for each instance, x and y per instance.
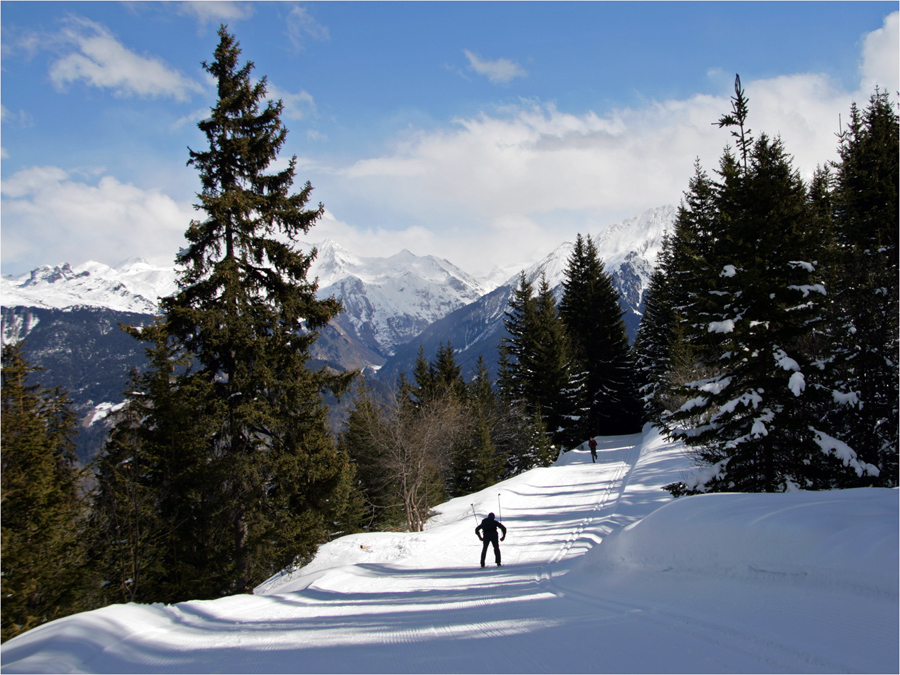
(768, 345)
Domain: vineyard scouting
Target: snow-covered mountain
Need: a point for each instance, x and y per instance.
(133, 286)
(388, 301)
(70, 314)
(628, 249)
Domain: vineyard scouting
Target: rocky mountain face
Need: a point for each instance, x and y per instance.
(70, 316)
(389, 301)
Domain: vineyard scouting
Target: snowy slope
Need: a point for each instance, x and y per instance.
(632, 243)
(603, 571)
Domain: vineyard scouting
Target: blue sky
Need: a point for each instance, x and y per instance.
(486, 133)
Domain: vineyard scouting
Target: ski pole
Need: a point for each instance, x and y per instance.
(473, 513)
(499, 510)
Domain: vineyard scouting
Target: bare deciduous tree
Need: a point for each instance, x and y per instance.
(411, 444)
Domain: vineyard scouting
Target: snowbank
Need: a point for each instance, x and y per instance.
(841, 538)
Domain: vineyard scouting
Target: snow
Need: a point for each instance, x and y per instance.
(833, 446)
(785, 361)
(603, 571)
(103, 410)
(392, 299)
(844, 398)
(726, 326)
(809, 267)
(806, 289)
(634, 242)
(797, 383)
(728, 271)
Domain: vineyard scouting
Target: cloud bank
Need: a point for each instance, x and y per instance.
(61, 219)
(522, 178)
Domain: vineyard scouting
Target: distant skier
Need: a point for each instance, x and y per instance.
(592, 444)
(489, 528)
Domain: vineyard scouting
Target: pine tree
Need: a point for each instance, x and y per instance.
(44, 575)
(448, 373)
(359, 440)
(479, 458)
(866, 293)
(601, 357)
(441, 377)
(655, 335)
(516, 349)
(125, 525)
(157, 534)
(550, 364)
(245, 314)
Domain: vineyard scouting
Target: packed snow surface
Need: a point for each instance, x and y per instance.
(602, 572)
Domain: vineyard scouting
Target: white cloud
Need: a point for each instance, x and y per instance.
(49, 217)
(496, 185)
(501, 71)
(302, 25)
(102, 61)
(297, 106)
(212, 11)
(879, 57)
(20, 119)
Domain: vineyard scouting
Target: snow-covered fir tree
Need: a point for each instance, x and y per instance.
(757, 423)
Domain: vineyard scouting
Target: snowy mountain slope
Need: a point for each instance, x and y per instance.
(133, 286)
(70, 316)
(603, 571)
(389, 301)
(628, 250)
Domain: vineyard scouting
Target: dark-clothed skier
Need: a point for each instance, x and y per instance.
(488, 528)
(592, 444)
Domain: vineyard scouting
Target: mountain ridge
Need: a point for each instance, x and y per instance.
(392, 306)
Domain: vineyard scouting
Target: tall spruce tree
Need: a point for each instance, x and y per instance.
(536, 363)
(246, 315)
(516, 350)
(655, 335)
(549, 377)
(480, 456)
(674, 345)
(603, 372)
(156, 530)
(45, 575)
(866, 293)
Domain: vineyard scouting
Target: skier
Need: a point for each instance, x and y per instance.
(489, 528)
(593, 446)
